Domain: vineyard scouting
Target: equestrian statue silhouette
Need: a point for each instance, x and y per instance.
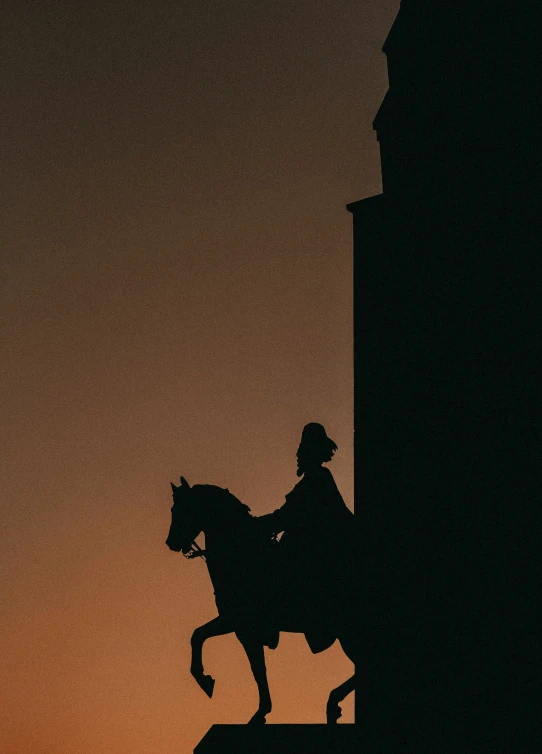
(264, 585)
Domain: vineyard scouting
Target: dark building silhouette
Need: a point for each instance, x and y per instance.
(448, 309)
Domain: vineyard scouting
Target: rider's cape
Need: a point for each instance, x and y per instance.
(316, 552)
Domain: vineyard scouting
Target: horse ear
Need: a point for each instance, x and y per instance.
(173, 486)
(184, 483)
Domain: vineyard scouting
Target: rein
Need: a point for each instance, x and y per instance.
(196, 552)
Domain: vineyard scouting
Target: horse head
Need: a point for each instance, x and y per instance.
(185, 522)
(202, 507)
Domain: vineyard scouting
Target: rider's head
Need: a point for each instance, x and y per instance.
(314, 449)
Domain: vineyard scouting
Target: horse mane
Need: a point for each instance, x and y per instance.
(223, 498)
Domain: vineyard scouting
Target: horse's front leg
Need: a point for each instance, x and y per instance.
(216, 627)
(256, 657)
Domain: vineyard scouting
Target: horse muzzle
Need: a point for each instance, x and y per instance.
(175, 546)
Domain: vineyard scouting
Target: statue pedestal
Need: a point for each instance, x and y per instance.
(280, 739)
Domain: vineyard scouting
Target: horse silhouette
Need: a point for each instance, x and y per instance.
(244, 571)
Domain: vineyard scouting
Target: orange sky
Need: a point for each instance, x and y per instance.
(176, 299)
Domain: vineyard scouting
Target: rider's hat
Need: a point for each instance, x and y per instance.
(315, 441)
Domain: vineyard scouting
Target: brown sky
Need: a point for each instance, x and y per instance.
(176, 299)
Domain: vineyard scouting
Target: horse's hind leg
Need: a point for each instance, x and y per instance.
(256, 657)
(333, 711)
(216, 627)
(348, 641)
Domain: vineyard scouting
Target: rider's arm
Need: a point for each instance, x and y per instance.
(272, 522)
(277, 521)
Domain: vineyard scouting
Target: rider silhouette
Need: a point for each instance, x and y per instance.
(314, 520)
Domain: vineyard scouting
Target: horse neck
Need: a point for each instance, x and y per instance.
(225, 532)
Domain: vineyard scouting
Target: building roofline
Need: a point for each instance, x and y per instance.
(354, 207)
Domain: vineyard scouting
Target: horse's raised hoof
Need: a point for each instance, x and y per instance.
(257, 719)
(207, 683)
(333, 712)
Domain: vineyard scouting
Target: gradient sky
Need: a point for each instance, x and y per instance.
(176, 299)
